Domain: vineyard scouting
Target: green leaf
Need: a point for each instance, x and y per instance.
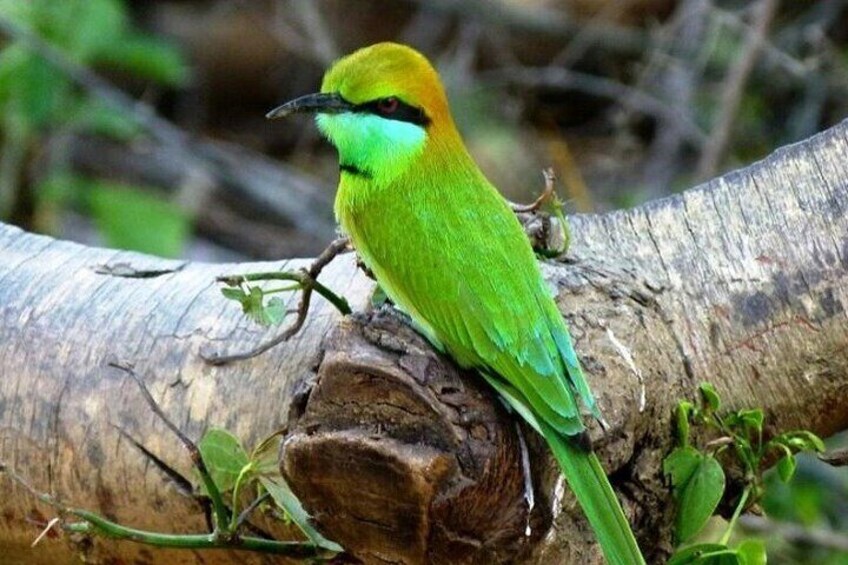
(130, 218)
(378, 297)
(285, 499)
(752, 552)
(726, 557)
(61, 189)
(696, 553)
(684, 411)
(93, 116)
(148, 58)
(710, 396)
(234, 293)
(32, 88)
(680, 465)
(752, 419)
(13, 60)
(266, 455)
(786, 465)
(253, 304)
(223, 456)
(699, 497)
(275, 311)
(802, 440)
(91, 27)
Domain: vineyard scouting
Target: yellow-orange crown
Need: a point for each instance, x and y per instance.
(388, 70)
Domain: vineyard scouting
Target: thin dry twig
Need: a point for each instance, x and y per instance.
(190, 446)
(47, 529)
(547, 194)
(245, 514)
(308, 280)
(18, 479)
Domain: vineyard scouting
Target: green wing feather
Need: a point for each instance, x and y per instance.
(492, 310)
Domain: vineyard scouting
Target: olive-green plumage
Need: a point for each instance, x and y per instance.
(448, 250)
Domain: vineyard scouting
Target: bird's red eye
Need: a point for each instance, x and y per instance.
(388, 105)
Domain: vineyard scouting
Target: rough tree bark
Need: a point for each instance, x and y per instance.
(400, 456)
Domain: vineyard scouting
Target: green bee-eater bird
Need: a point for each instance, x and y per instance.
(447, 249)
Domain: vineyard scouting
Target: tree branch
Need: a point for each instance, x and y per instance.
(742, 282)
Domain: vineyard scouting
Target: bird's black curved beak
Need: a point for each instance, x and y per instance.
(319, 103)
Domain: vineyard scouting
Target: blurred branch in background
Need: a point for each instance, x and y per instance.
(819, 537)
(643, 93)
(263, 189)
(317, 38)
(762, 14)
(568, 80)
(675, 68)
(539, 20)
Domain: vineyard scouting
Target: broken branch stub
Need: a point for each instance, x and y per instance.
(401, 457)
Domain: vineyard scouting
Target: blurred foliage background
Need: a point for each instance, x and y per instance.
(138, 124)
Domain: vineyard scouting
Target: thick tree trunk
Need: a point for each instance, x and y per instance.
(400, 456)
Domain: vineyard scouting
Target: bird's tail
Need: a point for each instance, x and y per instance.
(589, 482)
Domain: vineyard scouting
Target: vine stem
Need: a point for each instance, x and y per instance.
(736, 513)
(234, 517)
(94, 523)
(307, 281)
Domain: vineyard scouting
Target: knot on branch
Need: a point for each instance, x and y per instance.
(401, 457)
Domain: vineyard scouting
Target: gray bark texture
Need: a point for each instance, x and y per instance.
(399, 455)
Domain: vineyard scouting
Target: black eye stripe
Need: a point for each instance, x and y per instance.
(404, 112)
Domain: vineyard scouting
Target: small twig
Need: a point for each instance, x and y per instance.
(50, 525)
(719, 442)
(218, 506)
(336, 248)
(543, 220)
(543, 198)
(242, 518)
(287, 334)
(42, 496)
(307, 279)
